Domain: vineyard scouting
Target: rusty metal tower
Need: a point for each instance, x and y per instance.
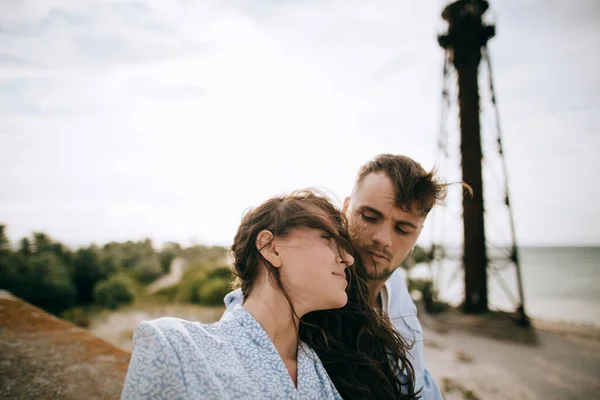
(465, 45)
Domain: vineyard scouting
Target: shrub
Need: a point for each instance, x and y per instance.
(212, 291)
(166, 294)
(114, 292)
(205, 285)
(220, 272)
(187, 289)
(148, 270)
(78, 316)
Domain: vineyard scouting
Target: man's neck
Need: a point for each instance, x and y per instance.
(272, 311)
(375, 287)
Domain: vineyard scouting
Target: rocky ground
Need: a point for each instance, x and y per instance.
(43, 357)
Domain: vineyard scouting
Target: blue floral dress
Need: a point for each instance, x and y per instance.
(231, 359)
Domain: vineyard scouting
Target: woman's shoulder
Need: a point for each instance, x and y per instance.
(173, 357)
(170, 326)
(181, 334)
(166, 326)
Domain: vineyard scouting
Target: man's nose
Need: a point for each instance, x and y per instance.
(383, 237)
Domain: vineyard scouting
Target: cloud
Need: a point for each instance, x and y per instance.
(169, 119)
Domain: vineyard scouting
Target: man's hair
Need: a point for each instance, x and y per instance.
(413, 184)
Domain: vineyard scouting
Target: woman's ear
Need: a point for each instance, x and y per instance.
(265, 243)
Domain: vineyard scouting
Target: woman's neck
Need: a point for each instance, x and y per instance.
(272, 311)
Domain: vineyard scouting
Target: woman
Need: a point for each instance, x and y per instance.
(295, 335)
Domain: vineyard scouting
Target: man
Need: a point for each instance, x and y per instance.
(390, 200)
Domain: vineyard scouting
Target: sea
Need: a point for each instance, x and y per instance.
(560, 284)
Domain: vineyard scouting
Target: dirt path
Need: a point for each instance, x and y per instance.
(173, 277)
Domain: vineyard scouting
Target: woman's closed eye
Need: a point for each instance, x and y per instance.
(327, 237)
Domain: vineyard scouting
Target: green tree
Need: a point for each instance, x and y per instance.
(167, 254)
(25, 246)
(148, 269)
(132, 253)
(212, 255)
(88, 270)
(112, 257)
(114, 292)
(188, 287)
(420, 255)
(42, 242)
(5, 249)
(38, 272)
(45, 282)
(7, 266)
(4, 242)
(212, 291)
(110, 263)
(417, 256)
(203, 284)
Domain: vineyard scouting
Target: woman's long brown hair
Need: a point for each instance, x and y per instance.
(363, 354)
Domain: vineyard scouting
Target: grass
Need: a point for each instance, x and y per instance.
(449, 386)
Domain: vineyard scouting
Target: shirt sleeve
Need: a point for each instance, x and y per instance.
(232, 299)
(155, 370)
(431, 391)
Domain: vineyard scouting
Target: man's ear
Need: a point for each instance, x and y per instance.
(346, 205)
(265, 243)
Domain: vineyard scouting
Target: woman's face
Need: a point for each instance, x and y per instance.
(313, 270)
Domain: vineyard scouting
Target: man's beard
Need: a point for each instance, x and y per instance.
(371, 269)
(376, 274)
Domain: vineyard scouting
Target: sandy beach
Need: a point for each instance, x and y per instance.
(478, 358)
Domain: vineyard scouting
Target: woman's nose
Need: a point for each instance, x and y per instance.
(346, 258)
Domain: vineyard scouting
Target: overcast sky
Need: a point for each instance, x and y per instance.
(121, 120)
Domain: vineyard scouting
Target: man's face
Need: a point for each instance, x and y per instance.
(385, 233)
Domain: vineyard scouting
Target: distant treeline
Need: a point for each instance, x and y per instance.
(74, 283)
(50, 275)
